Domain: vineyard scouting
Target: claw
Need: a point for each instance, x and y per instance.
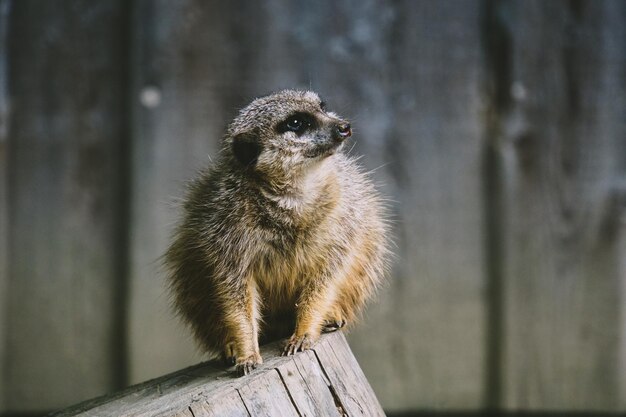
(298, 344)
(334, 325)
(245, 369)
(246, 366)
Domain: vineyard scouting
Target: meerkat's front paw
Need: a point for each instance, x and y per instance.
(298, 344)
(246, 365)
(333, 325)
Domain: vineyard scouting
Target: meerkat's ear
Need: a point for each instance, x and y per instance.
(246, 148)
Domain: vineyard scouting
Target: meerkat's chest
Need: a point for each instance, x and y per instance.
(294, 248)
(282, 271)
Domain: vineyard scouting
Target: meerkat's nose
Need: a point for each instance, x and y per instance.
(344, 130)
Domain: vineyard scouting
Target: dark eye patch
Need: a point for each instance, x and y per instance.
(298, 123)
(322, 105)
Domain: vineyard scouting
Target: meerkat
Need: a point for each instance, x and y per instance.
(283, 235)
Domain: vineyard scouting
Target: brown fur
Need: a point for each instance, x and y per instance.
(283, 235)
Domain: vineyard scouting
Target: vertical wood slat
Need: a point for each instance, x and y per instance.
(563, 156)
(67, 72)
(4, 181)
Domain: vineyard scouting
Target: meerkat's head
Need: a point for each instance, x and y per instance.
(284, 133)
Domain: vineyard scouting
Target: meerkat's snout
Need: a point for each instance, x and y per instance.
(340, 131)
(328, 138)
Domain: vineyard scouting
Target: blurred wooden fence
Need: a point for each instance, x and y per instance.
(498, 128)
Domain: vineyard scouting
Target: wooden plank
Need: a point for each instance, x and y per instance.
(563, 154)
(413, 72)
(66, 68)
(280, 386)
(4, 192)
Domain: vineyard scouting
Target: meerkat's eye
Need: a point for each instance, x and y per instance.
(297, 123)
(322, 105)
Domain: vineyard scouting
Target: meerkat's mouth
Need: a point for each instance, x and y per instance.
(323, 150)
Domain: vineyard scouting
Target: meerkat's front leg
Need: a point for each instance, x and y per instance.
(311, 311)
(242, 323)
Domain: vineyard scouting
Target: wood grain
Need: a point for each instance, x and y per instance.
(307, 386)
(348, 385)
(267, 397)
(66, 135)
(228, 404)
(563, 158)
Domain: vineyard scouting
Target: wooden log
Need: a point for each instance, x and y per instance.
(325, 381)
